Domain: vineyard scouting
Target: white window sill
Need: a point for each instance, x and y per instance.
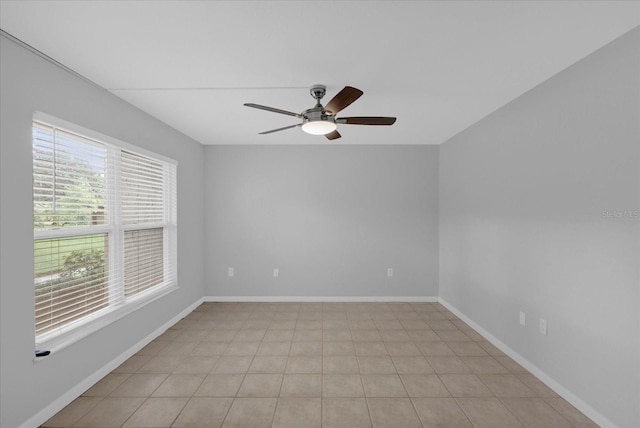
(99, 321)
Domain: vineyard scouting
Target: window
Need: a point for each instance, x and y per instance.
(104, 220)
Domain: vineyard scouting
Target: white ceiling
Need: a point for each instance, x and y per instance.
(439, 66)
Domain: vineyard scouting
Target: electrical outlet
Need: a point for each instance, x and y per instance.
(230, 271)
(522, 318)
(389, 272)
(543, 326)
(276, 272)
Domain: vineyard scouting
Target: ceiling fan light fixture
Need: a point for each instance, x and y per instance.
(319, 127)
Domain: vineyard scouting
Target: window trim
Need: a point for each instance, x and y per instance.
(67, 335)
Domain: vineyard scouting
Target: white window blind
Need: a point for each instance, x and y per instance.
(104, 229)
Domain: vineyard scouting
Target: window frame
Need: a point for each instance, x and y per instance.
(120, 305)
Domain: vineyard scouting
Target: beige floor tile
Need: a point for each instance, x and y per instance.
(310, 349)
(196, 365)
(388, 325)
(412, 365)
(331, 324)
(472, 334)
(203, 412)
(570, 413)
(363, 325)
(139, 385)
(365, 336)
(484, 365)
(156, 412)
(370, 349)
(250, 335)
(309, 324)
(301, 385)
(342, 386)
(465, 385)
(376, 365)
(402, 349)
(467, 349)
(242, 349)
(218, 335)
(510, 364)
(488, 413)
(441, 413)
(153, 347)
(257, 323)
(507, 386)
(535, 412)
(310, 315)
(229, 325)
(394, 336)
(301, 365)
(133, 364)
(261, 385)
(424, 386)
(345, 413)
(441, 325)
(209, 349)
(231, 364)
(537, 385)
(423, 335)
(106, 385)
(179, 385)
(281, 324)
(393, 412)
(307, 336)
(340, 364)
(111, 411)
(358, 347)
(161, 364)
(432, 316)
(274, 349)
(220, 385)
(448, 365)
(383, 386)
(298, 412)
(338, 348)
(452, 335)
(414, 324)
(179, 348)
(279, 335)
(487, 346)
(191, 335)
(435, 349)
(340, 335)
(250, 412)
(268, 364)
(72, 413)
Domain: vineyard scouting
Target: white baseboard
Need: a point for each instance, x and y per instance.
(411, 299)
(576, 401)
(66, 398)
(345, 299)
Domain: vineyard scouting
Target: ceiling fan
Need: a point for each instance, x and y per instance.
(321, 120)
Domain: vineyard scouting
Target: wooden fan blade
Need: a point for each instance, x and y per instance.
(367, 120)
(343, 99)
(280, 129)
(333, 135)
(274, 110)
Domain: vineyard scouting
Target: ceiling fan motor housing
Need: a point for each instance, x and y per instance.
(316, 122)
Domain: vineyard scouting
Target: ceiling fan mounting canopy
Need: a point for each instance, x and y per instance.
(320, 120)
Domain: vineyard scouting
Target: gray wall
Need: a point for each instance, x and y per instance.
(522, 196)
(29, 83)
(331, 217)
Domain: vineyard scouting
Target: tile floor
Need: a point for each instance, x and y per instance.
(328, 365)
